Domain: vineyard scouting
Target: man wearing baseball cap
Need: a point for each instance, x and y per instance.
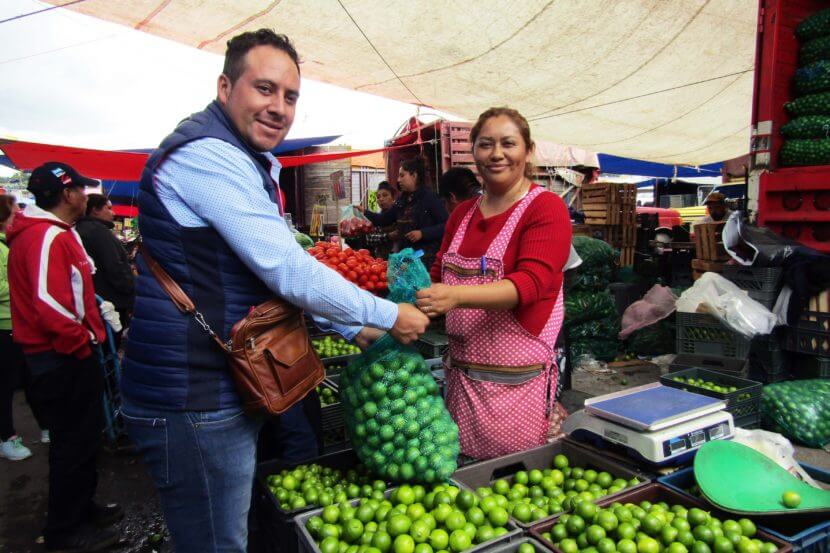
(57, 324)
(718, 212)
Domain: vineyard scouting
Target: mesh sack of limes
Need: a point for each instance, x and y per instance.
(799, 409)
(395, 416)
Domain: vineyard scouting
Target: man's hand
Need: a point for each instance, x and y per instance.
(367, 336)
(410, 325)
(437, 299)
(414, 236)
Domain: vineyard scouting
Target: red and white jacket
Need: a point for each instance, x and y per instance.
(52, 296)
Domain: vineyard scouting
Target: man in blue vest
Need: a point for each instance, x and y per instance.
(210, 215)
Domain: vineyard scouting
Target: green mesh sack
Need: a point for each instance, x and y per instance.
(799, 409)
(656, 339)
(812, 104)
(815, 50)
(395, 415)
(813, 78)
(805, 152)
(598, 263)
(809, 126)
(597, 338)
(582, 306)
(406, 274)
(815, 26)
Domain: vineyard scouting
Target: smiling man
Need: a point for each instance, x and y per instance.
(211, 217)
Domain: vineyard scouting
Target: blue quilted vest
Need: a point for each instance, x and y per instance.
(170, 361)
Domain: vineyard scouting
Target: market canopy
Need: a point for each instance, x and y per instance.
(668, 82)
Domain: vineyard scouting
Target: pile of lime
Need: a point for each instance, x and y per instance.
(711, 386)
(538, 493)
(329, 346)
(314, 485)
(413, 520)
(327, 395)
(396, 418)
(652, 528)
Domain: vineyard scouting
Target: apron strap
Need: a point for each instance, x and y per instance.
(499, 244)
(458, 238)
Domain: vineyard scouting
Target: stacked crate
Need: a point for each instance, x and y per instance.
(810, 337)
(610, 211)
(710, 254)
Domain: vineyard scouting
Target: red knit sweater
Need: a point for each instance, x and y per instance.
(534, 258)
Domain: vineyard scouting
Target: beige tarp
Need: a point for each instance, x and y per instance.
(663, 80)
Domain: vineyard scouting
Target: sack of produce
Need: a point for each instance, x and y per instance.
(812, 104)
(582, 306)
(406, 275)
(656, 339)
(815, 50)
(595, 338)
(395, 416)
(352, 222)
(812, 78)
(598, 263)
(815, 26)
(799, 409)
(809, 126)
(796, 152)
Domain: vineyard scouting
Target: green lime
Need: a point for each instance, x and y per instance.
(420, 548)
(523, 512)
(648, 545)
(501, 487)
(594, 533)
(747, 527)
(465, 500)
(704, 534)
(560, 462)
(626, 531)
(382, 541)
(527, 548)
(696, 517)
(397, 525)
(484, 533)
(439, 539)
(455, 521)
(723, 545)
(626, 545)
(652, 525)
(569, 545)
(498, 517)
(791, 500)
(587, 510)
(676, 547)
(403, 544)
(330, 545)
(459, 541)
(701, 547)
(748, 546)
(575, 525)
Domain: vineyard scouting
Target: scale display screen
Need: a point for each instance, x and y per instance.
(693, 440)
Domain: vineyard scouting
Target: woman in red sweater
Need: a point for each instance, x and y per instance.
(498, 278)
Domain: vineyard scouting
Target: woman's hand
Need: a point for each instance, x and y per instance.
(437, 300)
(359, 208)
(414, 236)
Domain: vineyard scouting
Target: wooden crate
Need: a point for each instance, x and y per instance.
(605, 193)
(582, 230)
(627, 256)
(709, 242)
(700, 266)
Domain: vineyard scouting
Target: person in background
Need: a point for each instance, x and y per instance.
(718, 212)
(113, 276)
(212, 218)
(56, 322)
(458, 185)
(384, 238)
(13, 372)
(500, 272)
(418, 214)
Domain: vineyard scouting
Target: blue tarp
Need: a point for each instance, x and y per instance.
(626, 166)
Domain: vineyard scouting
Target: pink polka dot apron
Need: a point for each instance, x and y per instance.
(500, 378)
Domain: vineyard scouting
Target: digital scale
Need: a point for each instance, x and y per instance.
(655, 423)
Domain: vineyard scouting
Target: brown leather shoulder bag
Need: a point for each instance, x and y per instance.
(270, 356)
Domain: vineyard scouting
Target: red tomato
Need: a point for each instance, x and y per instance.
(370, 286)
(352, 276)
(373, 277)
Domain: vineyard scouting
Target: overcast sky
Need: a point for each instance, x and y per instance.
(70, 79)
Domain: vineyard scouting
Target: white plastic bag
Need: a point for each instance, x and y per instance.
(776, 447)
(717, 296)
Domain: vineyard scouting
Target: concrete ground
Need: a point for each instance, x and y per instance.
(123, 479)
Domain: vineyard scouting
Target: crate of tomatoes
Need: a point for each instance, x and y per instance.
(358, 266)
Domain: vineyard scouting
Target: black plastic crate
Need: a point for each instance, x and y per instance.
(727, 365)
(811, 334)
(433, 345)
(806, 532)
(333, 422)
(656, 493)
(811, 366)
(768, 362)
(754, 279)
(749, 390)
(748, 422)
(699, 334)
(483, 474)
(276, 524)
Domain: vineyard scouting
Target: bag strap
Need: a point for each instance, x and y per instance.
(178, 296)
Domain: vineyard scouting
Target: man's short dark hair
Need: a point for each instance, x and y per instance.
(240, 45)
(48, 199)
(95, 202)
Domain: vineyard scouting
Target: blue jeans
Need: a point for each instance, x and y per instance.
(202, 464)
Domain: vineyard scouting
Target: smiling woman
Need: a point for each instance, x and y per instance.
(499, 281)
